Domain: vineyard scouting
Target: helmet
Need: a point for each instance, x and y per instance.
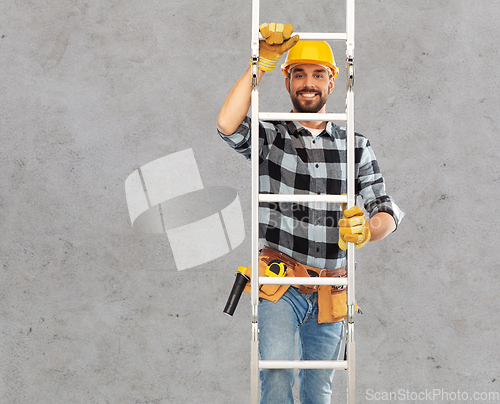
(317, 52)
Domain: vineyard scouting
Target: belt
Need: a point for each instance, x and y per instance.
(296, 269)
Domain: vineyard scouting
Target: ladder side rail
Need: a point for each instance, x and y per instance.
(255, 143)
(351, 380)
(254, 365)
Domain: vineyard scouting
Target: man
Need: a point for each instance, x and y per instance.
(305, 158)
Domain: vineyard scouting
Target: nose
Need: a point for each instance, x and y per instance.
(309, 82)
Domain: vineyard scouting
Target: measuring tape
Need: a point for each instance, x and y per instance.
(276, 268)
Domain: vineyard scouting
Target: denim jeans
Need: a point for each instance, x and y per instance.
(278, 324)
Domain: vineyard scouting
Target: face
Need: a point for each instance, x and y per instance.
(309, 86)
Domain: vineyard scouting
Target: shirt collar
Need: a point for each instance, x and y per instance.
(294, 128)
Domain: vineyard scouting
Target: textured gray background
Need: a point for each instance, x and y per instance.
(93, 312)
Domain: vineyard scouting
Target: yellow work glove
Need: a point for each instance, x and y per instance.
(277, 40)
(353, 228)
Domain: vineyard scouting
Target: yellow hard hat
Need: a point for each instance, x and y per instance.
(316, 52)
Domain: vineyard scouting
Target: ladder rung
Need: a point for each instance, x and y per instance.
(279, 280)
(302, 198)
(320, 36)
(303, 364)
(293, 116)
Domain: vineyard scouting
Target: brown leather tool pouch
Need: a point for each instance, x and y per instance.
(332, 300)
(268, 292)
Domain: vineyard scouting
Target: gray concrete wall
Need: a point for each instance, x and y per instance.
(94, 312)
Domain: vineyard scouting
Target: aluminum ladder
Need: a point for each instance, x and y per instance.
(349, 199)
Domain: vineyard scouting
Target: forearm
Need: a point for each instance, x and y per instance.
(381, 225)
(235, 107)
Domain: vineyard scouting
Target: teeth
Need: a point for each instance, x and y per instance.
(308, 95)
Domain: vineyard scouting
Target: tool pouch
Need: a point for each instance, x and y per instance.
(332, 300)
(268, 292)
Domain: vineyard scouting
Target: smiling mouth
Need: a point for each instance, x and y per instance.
(308, 95)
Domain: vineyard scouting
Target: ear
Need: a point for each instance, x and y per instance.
(287, 84)
(331, 86)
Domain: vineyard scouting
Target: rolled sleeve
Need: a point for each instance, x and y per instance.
(372, 185)
(386, 204)
(240, 139)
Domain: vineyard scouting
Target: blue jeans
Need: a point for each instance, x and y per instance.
(278, 325)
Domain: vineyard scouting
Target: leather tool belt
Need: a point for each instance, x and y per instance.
(296, 269)
(332, 304)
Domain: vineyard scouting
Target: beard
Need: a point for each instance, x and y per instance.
(308, 106)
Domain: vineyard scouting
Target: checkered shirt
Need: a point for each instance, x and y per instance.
(292, 161)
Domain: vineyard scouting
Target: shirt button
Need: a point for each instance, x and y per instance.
(317, 165)
(314, 141)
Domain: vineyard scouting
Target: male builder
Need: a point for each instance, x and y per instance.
(305, 158)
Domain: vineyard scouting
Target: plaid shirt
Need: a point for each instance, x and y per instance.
(292, 161)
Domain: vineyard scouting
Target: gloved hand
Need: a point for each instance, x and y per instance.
(277, 40)
(353, 228)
